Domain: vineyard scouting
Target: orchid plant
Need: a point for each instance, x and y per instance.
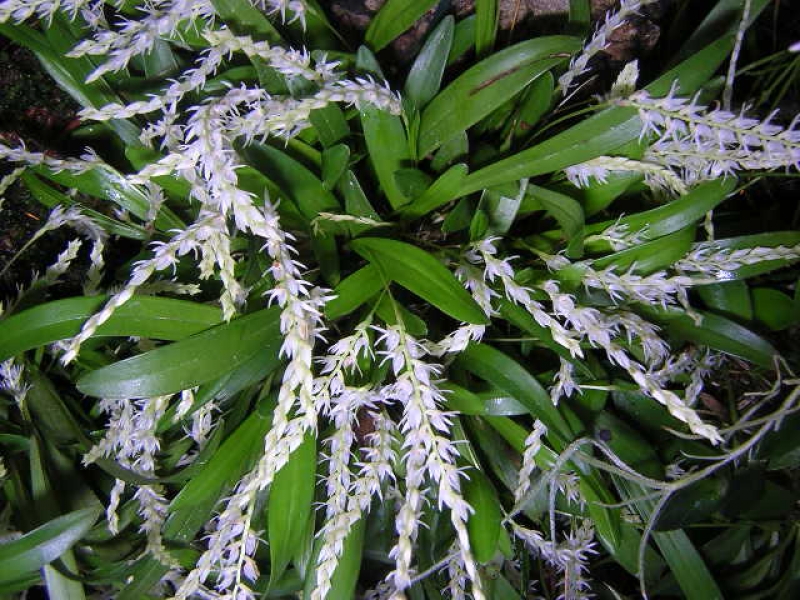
(383, 337)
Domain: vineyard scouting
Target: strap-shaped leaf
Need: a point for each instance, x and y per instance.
(394, 18)
(508, 375)
(488, 85)
(353, 291)
(142, 316)
(425, 77)
(601, 134)
(188, 363)
(422, 274)
(290, 498)
(28, 554)
(442, 191)
(484, 524)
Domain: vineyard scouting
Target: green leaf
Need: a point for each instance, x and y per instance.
(485, 523)
(306, 191)
(108, 184)
(501, 205)
(388, 150)
(344, 578)
(394, 18)
(142, 316)
(650, 256)
(355, 201)
(765, 240)
(675, 215)
(463, 39)
(684, 560)
(299, 184)
(731, 298)
(487, 18)
(773, 308)
(535, 105)
(24, 556)
(603, 133)
(412, 182)
(722, 21)
(488, 85)
(330, 124)
(193, 505)
(353, 291)
(246, 19)
(334, 163)
(50, 197)
(188, 363)
(443, 190)
(567, 212)
(422, 274)
(508, 375)
(580, 14)
(692, 504)
(388, 311)
(425, 76)
(719, 333)
(290, 498)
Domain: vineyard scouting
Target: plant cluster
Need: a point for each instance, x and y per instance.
(384, 339)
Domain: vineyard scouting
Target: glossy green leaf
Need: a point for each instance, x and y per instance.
(628, 444)
(675, 215)
(601, 134)
(108, 184)
(394, 17)
(580, 14)
(299, 184)
(488, 85)
(142, 316)
(692, 504)
(773, 308)
(508, 375)
(535, 105)
(442, 191)
(731, 298)
(290, 498)
(388, 150)
(50, 197)
(188, 363)
(353, 291)
(246, 19)
(330, 124)
(463, 39)
(501, 205)
(425, 76)
(650, 256)
(487, 18)
(23, 556)
(568, 213)
(485, 523)
(719, 333)
(388, 311)
(355, 201)
(334, 165)
(422, 274)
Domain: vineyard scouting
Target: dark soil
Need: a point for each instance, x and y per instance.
(33, 110)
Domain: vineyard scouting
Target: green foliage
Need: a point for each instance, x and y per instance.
(484, 331)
